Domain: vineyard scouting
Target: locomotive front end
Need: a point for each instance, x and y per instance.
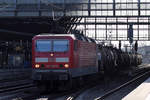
(51, 57)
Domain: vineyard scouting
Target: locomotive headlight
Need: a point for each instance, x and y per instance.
(66, 66)
(51, 55)
(37, 66)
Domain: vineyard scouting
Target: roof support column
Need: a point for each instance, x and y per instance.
(148, 29)
(114, 7)
(89, 8)
(106, 28)
(85, 26)
(39, 7)
(64, 8)
(127, 27)
(138, 27)
(117, 29)
(95, 28)
(139, 8)
(16, 7)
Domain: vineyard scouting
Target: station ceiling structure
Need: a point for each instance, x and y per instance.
(100, 19)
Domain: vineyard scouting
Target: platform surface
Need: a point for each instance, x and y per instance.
(142, 92)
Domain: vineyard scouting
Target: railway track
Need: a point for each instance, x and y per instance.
(74, 96)
(111, 92)
(14, 83)
(19, 93)
(14, 88)
(69, 94)
(72, 93)
(9, 91)
(76, 93)
(18, 87)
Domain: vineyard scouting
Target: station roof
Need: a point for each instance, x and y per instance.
(36, 16)
(12, 35)
(26, 28)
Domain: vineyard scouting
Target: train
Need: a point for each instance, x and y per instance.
(61, 58)
(113, 60)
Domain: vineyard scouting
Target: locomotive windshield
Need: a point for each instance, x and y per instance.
(44, 46)
(60, 45)
(52, 45)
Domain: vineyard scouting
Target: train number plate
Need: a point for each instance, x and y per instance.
(52, 66)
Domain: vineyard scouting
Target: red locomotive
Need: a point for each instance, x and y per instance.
(61, 58)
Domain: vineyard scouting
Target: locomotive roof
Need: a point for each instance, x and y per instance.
(74, 36)
(47, 34)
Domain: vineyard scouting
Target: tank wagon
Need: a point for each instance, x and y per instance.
(63, 57)
(112, 59)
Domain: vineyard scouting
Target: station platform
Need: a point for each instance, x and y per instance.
(145, 65)
(142, 92)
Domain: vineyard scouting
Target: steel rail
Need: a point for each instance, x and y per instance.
(14, 88)
(75, 95)
(122, 86)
